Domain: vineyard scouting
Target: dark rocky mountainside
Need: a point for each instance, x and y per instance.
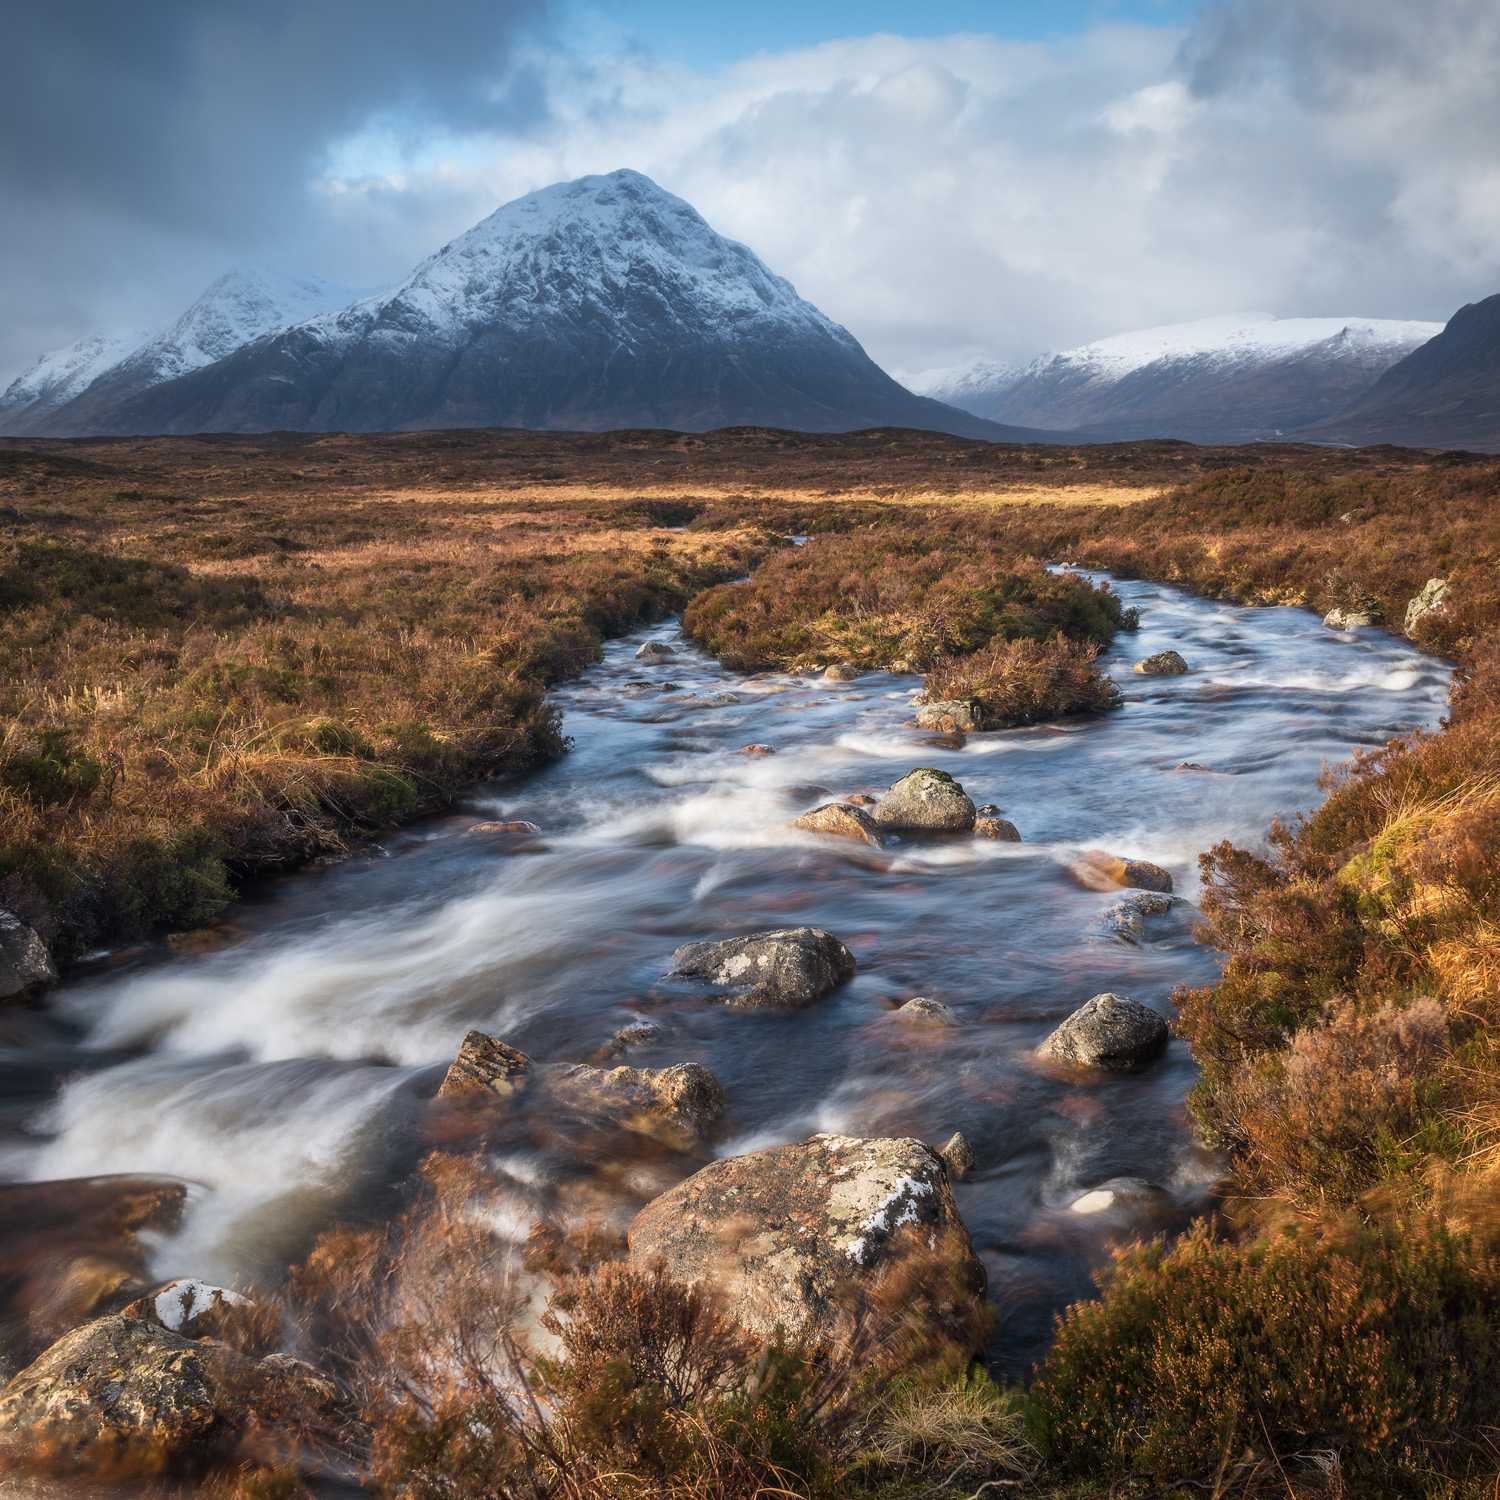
(587, 306)
(1444, 395)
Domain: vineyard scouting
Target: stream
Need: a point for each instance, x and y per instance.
(283, 1068)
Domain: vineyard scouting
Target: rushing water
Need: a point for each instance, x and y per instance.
(285, 1072)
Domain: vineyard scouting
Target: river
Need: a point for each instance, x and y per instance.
(283, 1070)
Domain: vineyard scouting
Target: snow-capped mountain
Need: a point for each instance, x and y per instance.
(596, 304)
(1445, 394)
(55, 379)
(240, 306)
(976, 387)
(1227, 379)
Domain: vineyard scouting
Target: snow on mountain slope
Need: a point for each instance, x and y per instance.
(596, 304)
(975, 387)
(242, 305)
(1225, 379)
(56, 378)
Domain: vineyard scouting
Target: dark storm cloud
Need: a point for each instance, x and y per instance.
(184, 131)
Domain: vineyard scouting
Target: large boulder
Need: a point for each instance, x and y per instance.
(841, 820)
(485, 1071)
(926, 798)
(1111, 1032)
(1432, 599)
(24, 960)
(792, 966)
(1163, 664)
(679, 1105)
(781, 1233)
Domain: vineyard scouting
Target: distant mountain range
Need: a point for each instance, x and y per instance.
(590, 305)
(1230, 379)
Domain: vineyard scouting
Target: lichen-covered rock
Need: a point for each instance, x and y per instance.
(1350, 619)
(997, 828)
(931, 1012)
(191, 1308)
(1163, 664)
(842, 820)
(926, 798)
(1099, 871)
(485, 1071)
(1432, 598)
(654, 651)
(679, 1105)
(792, 966)
(779, 1232)
(841, 672)
(1110, 1032)
(958, 1156)
(955, 716)
(24, 960)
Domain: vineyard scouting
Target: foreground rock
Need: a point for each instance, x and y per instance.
(958, 716)
(1163, 664)
(1099, 871)
(926, 798)
(679, 1106)
(841, 820)
(24, 960)
(485, 1070)
(1431, 600)
(792, 966)
(1110, 1032)
(780, 1232)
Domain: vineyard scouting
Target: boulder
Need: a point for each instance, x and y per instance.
(859, 800)
(1111, 1032)
(654, 651)
(996, 828)
(1350, 619)
(1432, 598)
(24, 960)
(926, 798)
(841, 672)
(841, 820)
(930, 1012)
(958, 1156)
(792, 966)
(1163, 664)
(957, 716)
(485, 1070)
(679, 1105)
(988, 810)
(899, 667)
(193, 1309)
(780, 1233)
(1099, 871)
(1125, 921)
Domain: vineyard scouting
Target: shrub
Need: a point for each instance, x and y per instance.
(47, 769)
(1023, 682)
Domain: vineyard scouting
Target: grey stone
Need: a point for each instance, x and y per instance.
(1432, 598)
(958, 1156)
(841, 672)
(655, 651)
(24, 960)
(955, 716)
(1125, 921)
(792, 966)
(933, 1012)
(1110, 1032)
(1350, 619)
(679, 1105)
(997, 828)
(926, 798)
(1163, 664)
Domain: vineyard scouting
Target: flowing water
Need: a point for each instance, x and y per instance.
(285, 1072)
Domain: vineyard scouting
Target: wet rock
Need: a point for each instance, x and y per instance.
(24, 960)
(958, 1156)
(802, 791)
(988, 810)
(955, 716)
(1125, 921)
(1119, 1192)
(679, 1105)
(841, 672)
(485, 1070)
(1110, 1032)
(931, 1012)
(792, 966)
(925, 798)
(516, 825)
(756, 750)
(654, 651)
(1099, 871)
(1191, 765)
(1350, 619)
(996, 828)
(668, 687)
(1163, 664)
(860, 800)
(841, 820)
(1432, 598)
(900, 667)
(779, 1233)
(193, 1309)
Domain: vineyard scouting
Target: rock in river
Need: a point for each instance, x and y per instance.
(926, 798)
(1350, 619)
(779, 1232)
(679, 1105)
(997, 828)
(1163, 664)
(194, 1309)
(1099, 871)
(842, 820)
(932, 1012)
(654, 651)
(484, 1071)
(841, 672)
(1111, 1032)
(960, 715)
(792, 966)
(24, 960)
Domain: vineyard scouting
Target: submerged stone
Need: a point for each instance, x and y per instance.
(1110, 1032)
(792, 966)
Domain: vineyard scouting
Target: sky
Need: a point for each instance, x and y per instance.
(950, 179)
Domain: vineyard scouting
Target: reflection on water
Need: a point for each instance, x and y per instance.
(285, 1072)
